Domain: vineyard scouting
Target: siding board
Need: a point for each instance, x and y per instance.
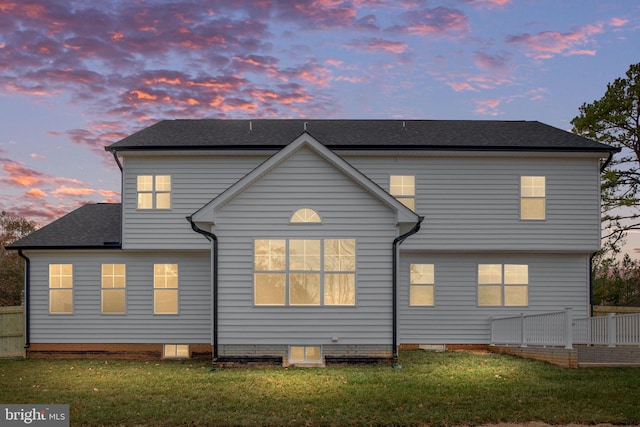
(470, 203)
(139, 324)
(347, 211)
(555, 282)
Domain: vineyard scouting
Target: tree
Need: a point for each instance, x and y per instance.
(615, 119)
(12, 228)
(617, 282)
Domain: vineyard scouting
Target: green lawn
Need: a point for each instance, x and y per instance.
(450, 388)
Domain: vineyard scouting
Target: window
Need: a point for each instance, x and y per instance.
(403, 188)
(421, 284)
(154, 191)
(113, 288)
(532, 197)
(165, 288)
(340, 272)
(60, 288)
(305, 215)
(175, 351)
(503, 285)
(304, 272)
(305, 353)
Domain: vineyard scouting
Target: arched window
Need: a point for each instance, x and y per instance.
(305, 215)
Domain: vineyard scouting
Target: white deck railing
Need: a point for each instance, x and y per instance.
(611, 330)
(561, 329)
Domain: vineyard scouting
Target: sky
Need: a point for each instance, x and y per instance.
(76, 76)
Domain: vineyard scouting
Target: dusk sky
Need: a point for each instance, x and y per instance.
(78, 75)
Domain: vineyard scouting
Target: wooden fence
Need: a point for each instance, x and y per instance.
(12, 332)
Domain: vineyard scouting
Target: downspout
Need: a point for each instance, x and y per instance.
(27, 289)
(214, 279)
(394, 283)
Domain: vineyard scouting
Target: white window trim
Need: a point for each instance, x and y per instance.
(154, 192)
(544, 198)
(106, 289)
(172, 351)
(502, 286)
(305, 360)
(71, 289)
(321, 271)
(313, 211)
(431, 285)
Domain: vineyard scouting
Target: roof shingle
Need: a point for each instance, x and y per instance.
(88, 227)
(357, 134)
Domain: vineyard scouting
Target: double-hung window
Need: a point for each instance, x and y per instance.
(113, 288)
(60, 288)
(503, 285)
(421, 284)
(533, 195)
(403, 188)
(154, 191)
(309, 272)
(165, 288)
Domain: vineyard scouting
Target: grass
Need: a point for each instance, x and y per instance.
(451, 388)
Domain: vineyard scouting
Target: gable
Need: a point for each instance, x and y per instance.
(332, 164)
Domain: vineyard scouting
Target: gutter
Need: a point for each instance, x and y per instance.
(397, 242)
(606, 163)
(27, 288)
(214, 282)
(115, 156)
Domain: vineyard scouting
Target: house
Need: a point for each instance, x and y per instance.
(316, 241)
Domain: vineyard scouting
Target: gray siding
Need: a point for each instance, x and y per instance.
(470, 203)
(473, 203)
(195, 181)
(347, 211)
(139, 324)
(555, 282)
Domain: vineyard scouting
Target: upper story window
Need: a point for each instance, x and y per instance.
(421, 284)
(60, 288)
(403, 188)
(154, 191)
(305, 215)
(503, 285)
(533, 197)
(113, 288)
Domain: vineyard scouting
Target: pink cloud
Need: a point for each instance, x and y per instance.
(36, 193)
(488, 107)
(436, 21)
(37, 156)
(489, 3)
(618, 22)
(461, 86)
(321, 14)
(378, 45)
(19, 175)
(70, 191)
(547, 44)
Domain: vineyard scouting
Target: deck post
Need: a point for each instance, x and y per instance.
(568, 325)
(611, 329)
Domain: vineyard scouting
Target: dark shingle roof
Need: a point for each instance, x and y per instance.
(88, 227)
(358, 134)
